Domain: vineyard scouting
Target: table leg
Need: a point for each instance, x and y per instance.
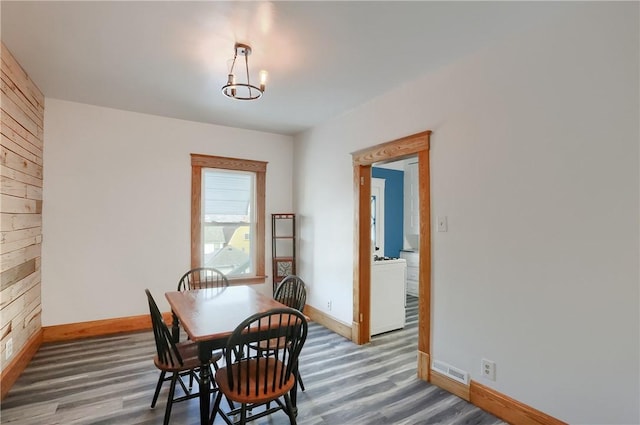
(293, 394)
(204, 353)
(175, 328)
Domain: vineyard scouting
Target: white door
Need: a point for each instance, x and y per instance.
(377, 217)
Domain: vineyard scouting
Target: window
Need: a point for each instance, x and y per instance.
(227, 216)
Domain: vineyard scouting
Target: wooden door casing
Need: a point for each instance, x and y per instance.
(416, 144)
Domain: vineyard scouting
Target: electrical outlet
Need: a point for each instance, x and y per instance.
(329, 305)
(488, 369)
(8, 349)
(442, 223)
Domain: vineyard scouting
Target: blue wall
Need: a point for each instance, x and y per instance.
(393, 209)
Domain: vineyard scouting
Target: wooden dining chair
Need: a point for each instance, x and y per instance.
(292, 292)
(256, 381)
(176, 360)
(202, 277)
(198, 278)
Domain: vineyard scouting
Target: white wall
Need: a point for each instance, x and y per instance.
(117, 205)
(535, 162)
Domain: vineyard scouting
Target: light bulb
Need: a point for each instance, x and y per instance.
(232, 80)
(263, 79)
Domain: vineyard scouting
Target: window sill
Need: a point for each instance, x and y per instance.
(254, 280)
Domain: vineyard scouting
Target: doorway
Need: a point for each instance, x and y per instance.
(414, 145)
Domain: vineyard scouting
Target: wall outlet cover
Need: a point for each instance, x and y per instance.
(488, 369)
(442, 223)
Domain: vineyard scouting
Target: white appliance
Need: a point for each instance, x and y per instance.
(413, 271)
(388, 295)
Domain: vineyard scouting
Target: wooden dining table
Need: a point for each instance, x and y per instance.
(209, 316)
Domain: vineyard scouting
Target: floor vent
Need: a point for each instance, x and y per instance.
(450, 371)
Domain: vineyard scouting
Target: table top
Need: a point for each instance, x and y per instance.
(214, 313)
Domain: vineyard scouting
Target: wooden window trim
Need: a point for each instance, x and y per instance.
(198, 162)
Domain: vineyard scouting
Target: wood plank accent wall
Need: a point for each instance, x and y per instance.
(21, 130)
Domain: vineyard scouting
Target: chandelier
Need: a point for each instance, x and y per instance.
(243, 90)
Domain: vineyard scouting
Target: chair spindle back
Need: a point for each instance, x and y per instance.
(283, 332)
(291, 292)
(202, 277)
(165, 347)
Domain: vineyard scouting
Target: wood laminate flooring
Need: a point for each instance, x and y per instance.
(110, 380)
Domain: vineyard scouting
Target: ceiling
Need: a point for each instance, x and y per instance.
(170, 58)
